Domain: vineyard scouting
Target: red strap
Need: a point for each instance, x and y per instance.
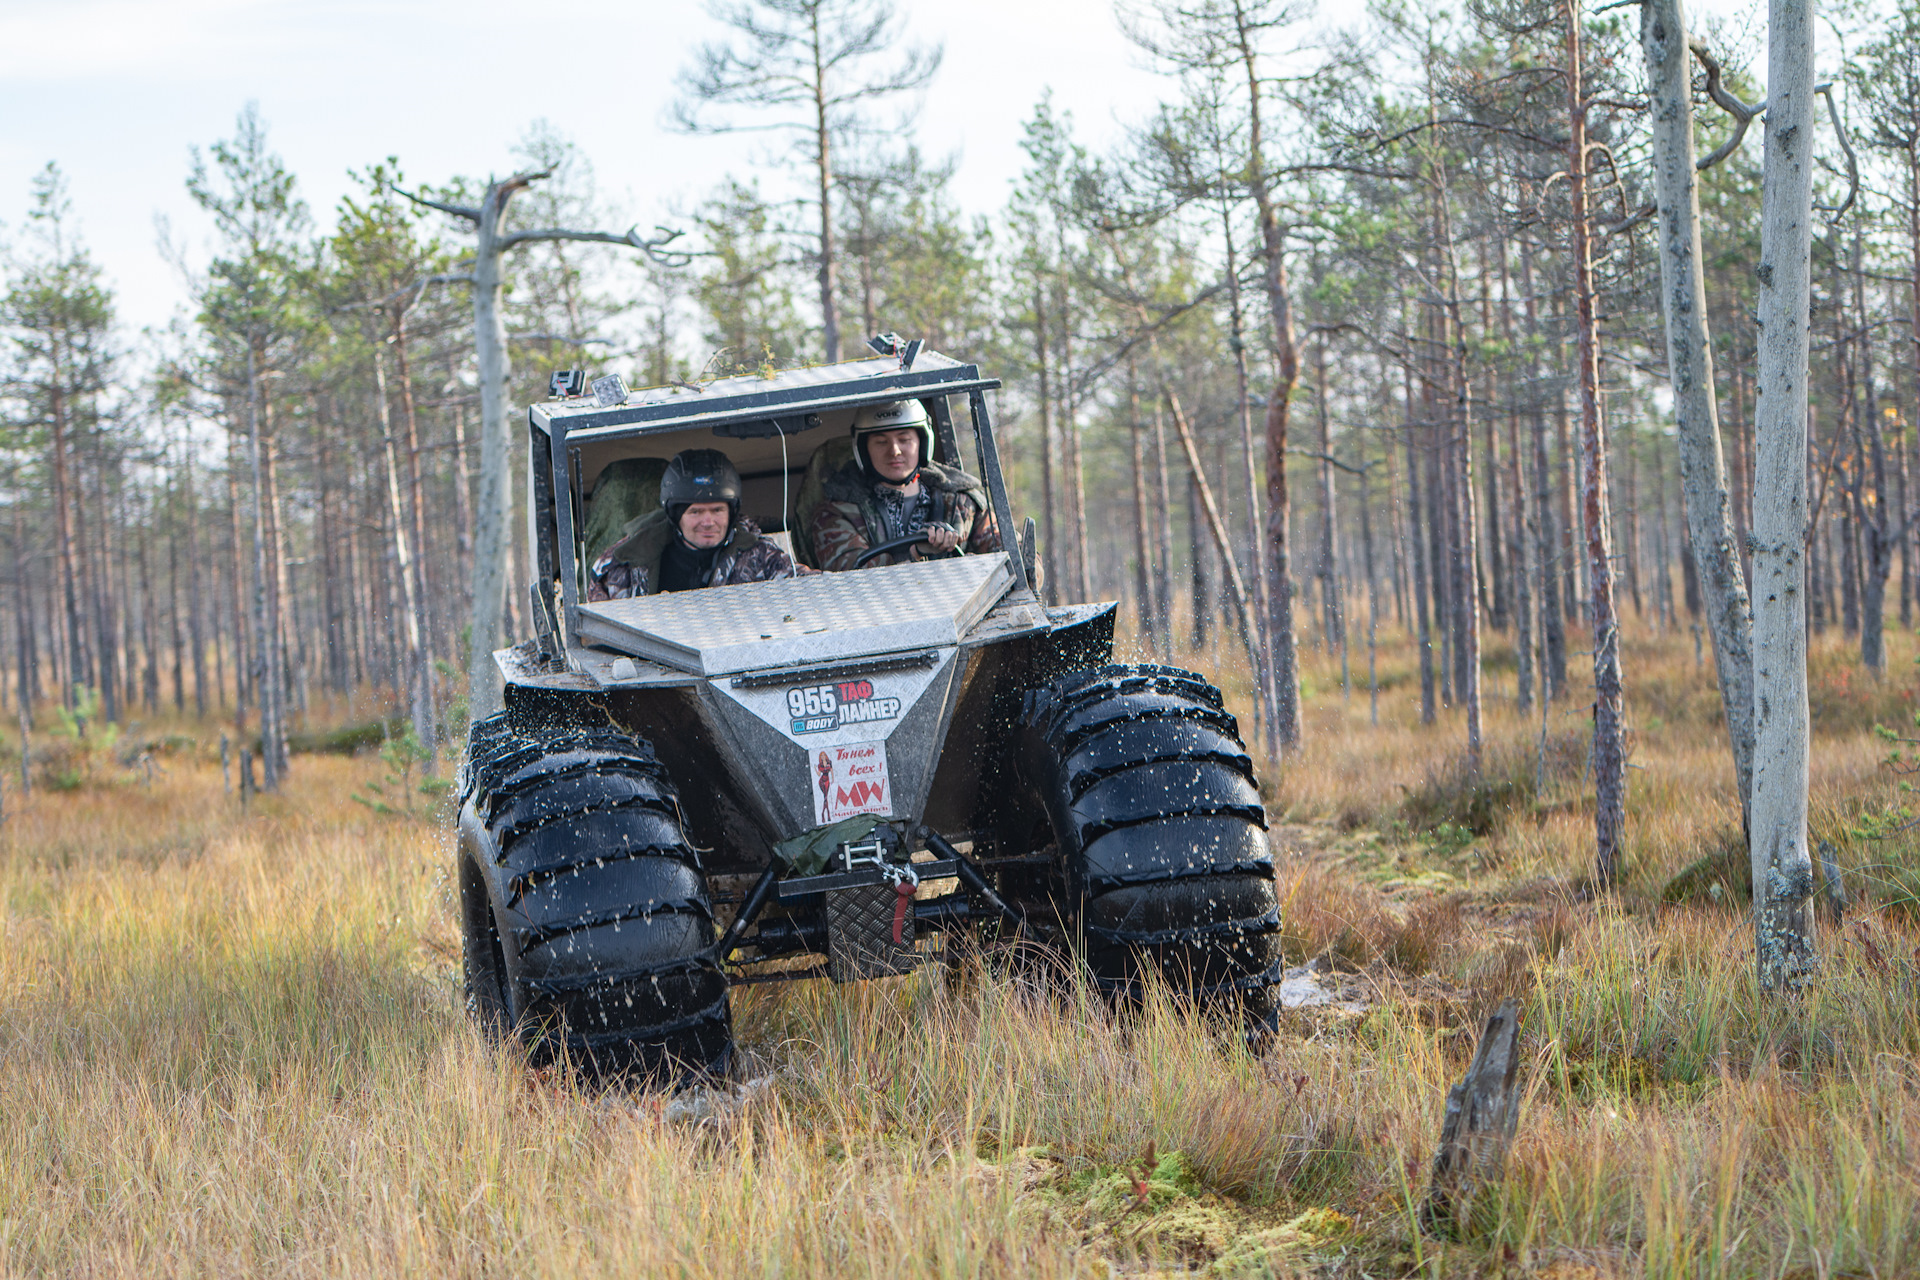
(903, 898)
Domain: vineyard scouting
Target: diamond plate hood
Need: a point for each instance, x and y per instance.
(820, 618)
(827, 695)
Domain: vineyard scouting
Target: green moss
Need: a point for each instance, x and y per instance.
(1263, 1252)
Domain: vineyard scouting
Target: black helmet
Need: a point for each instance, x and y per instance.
(898, 415)
(699, 475)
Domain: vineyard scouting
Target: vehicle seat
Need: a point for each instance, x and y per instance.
(826, 460)
(625, 489)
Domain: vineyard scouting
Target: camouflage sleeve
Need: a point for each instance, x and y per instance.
(610, 579)
(764, 561)
(839, 535)
(985, 535)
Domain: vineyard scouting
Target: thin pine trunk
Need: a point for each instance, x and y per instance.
(1544, 533)
(1163, 562)
(1143, 567)
(1423, 640)
(1609, 746)
(424, 719)
(1049, 498)
(1076, 490)
(268, 679)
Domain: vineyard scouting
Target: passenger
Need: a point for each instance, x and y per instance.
(697, 538)
(893, 489)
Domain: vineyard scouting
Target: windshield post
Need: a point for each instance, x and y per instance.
(996, 487)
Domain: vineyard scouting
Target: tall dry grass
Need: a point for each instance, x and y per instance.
(233, 1045)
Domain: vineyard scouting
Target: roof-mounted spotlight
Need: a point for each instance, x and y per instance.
(610, 390)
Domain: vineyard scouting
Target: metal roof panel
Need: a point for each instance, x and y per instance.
(787, 391)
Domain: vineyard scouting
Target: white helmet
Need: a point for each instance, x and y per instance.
(898, 415)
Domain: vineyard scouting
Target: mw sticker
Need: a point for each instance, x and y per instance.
(852, 779)
(819, 707)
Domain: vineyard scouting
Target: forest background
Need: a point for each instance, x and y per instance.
(1407, 168)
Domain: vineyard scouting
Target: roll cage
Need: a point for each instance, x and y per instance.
(769, 426)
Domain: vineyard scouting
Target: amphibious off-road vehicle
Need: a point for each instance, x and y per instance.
(695, 790)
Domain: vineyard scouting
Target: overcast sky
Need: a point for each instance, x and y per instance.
(118, 91)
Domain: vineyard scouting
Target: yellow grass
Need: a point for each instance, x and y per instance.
(234, 1045)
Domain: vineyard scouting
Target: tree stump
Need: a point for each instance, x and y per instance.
(1482, 1113)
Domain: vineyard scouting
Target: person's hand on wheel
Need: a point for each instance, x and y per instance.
(942, 538)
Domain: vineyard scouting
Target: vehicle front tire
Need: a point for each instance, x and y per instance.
(1159, 831)
(587, 927)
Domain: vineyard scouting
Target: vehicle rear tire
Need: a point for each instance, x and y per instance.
(587, 927)
(1160, 832)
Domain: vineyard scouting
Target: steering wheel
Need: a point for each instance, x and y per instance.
(888, 548)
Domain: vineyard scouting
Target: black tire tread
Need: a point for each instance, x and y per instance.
(601, 904)
(1158, 820)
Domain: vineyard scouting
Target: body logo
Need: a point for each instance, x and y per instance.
(820, 707)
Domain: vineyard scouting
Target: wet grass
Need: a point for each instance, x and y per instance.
(232, 1044)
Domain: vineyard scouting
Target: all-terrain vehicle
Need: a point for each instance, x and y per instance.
(694, 790)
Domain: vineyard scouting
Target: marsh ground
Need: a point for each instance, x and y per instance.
(232, 1043)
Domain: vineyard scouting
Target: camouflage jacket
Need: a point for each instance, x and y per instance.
(631, 566)
(849, 521)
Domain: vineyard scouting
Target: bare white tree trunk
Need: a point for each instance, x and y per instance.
(1683, 292)
(1782, 868)
(493, 506)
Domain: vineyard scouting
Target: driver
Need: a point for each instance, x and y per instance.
(697, 538)
(893, 489)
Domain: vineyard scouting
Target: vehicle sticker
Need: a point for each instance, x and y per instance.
(816, 708)
(852, 779)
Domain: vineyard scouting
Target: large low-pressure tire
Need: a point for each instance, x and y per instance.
(1159, 830)
(586, 921)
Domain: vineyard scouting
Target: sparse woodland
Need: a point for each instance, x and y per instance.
(1353, 374)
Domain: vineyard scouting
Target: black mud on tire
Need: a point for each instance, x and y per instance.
(585, 918)
(1160, 831)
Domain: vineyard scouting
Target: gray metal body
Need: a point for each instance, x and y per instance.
(783, 706)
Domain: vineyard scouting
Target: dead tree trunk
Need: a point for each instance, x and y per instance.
(493, 516)
(1703, 470)
(1782, 866)
(1483, 1111)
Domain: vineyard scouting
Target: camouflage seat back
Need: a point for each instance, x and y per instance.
(826, 460)
(625, 489)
